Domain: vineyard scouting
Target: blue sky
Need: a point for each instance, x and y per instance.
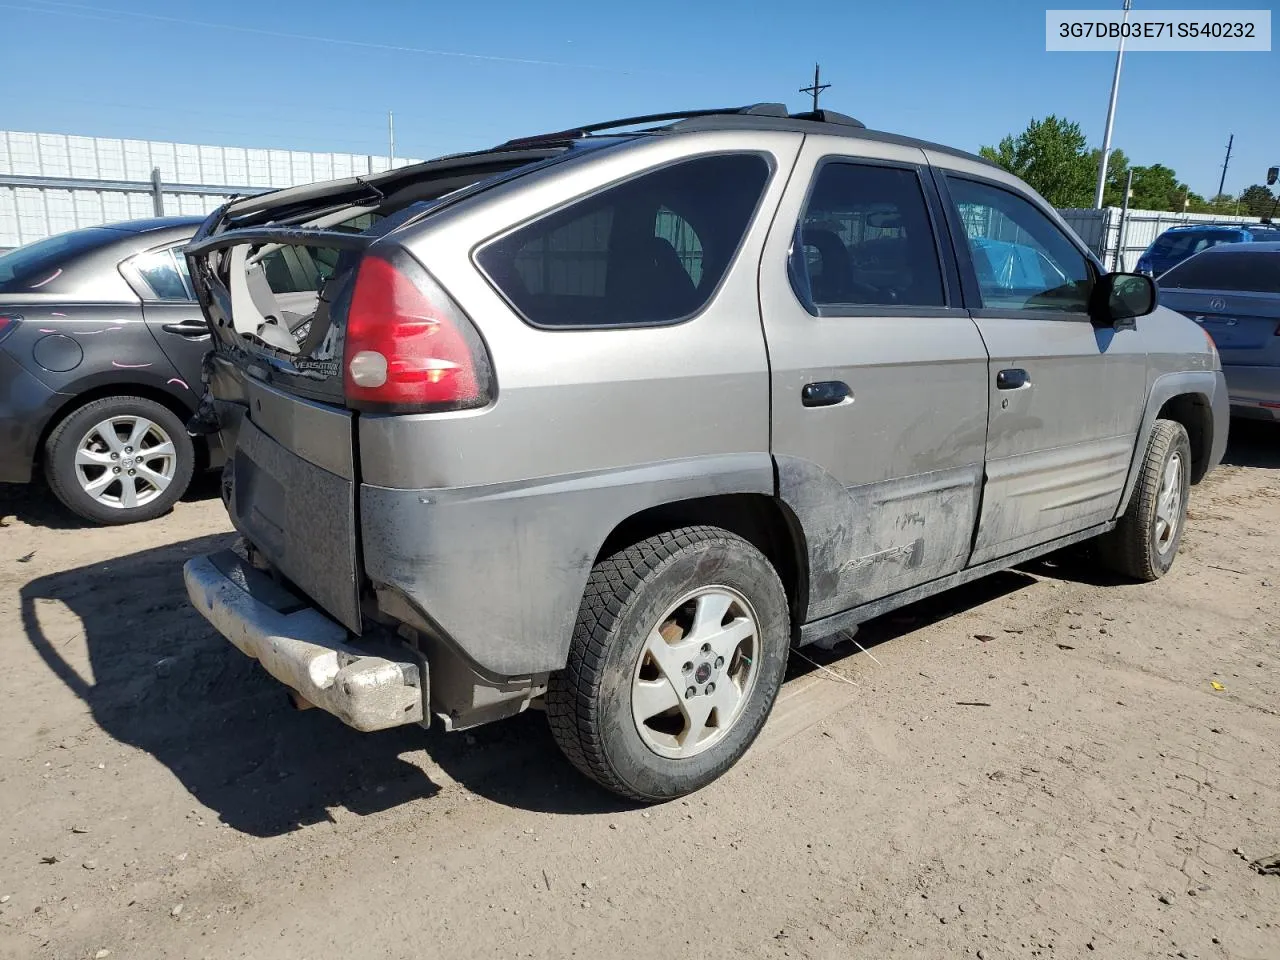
(461, 75)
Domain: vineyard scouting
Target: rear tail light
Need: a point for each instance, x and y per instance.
(8, 323)
(409, 347)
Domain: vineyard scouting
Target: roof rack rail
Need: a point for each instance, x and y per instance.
(574, 133)
(829, 116)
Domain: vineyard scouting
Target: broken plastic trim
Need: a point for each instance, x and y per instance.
(250, 305)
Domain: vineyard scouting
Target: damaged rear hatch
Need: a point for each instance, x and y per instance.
(308, 294)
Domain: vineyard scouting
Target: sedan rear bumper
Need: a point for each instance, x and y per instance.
(1254, 391)
(368, 687)
(26, 405)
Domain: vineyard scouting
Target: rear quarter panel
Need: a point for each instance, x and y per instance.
(489, 521)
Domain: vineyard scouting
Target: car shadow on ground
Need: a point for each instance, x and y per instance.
(35, 505)
(1253, 443)
(165, 682)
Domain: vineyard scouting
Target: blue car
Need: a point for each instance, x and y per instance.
(1233, 292)
(1177, 243)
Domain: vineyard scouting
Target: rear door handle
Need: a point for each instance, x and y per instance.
(1012, 379)
(825, 393)
(188, 328)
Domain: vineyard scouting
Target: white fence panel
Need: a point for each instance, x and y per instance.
(30, 211)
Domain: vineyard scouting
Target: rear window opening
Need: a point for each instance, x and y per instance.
(275, 274)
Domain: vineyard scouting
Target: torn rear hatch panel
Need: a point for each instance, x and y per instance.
(275, 275)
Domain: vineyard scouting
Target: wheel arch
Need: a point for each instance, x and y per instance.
(1195, 412)
(763, 521)
(1197, 400)
(179, 406)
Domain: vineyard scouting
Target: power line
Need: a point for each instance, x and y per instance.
(63, 8)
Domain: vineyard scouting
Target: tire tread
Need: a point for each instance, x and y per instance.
(1126, 548)
(572, 696)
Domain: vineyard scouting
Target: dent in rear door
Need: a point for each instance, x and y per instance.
(882, 462)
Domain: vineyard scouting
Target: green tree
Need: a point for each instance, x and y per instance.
(1198, 204)
(1117, 176)
(1257, 201)
(1157, 188)
(1051, 156)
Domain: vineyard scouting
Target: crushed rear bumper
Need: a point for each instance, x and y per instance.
(368, 686)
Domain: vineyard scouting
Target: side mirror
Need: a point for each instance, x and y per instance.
(1122, 296)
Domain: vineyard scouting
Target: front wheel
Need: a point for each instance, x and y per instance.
(119, 460)
(1146, 539)
(678, 653)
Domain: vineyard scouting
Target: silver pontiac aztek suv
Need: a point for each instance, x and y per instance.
(609, 419)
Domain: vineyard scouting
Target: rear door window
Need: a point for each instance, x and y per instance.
(1240, 269)
(651, 250)
(865, 239)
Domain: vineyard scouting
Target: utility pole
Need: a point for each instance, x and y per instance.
(1111, 117)
(391, 140)
(817, 88)
(1223, 182)
(1124, 223)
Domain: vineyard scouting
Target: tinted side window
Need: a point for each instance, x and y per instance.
(1243, 270)
(865, 239)
(160, 272)
(650, 250)
(1022, 259)
(1187, 242)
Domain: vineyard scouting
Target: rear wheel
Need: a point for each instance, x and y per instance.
(1146, 539)
(676, 660)
(119, 460)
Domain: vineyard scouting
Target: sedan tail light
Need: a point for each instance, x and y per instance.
(409, 347)
(8, 323)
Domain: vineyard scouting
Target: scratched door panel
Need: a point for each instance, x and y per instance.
(881, 462)
(1059, 447)
(177, 329)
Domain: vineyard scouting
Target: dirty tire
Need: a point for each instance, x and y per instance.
(62, 444)
(589, 702)
(1133, 548)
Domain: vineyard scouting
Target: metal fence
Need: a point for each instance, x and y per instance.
(1120, 244)
(50, 183)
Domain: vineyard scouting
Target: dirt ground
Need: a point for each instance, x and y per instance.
(1043, 764)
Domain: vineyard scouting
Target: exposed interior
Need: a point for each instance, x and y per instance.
(273, 266)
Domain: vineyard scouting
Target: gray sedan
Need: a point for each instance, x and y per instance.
(1233, 292)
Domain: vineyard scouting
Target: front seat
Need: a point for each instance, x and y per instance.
(834, 282)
